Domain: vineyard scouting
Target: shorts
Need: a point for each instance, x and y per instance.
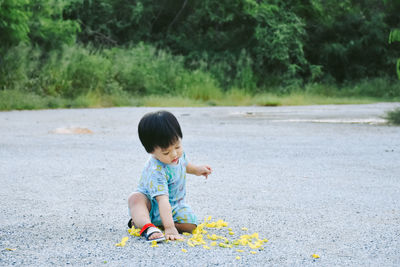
(181, 213)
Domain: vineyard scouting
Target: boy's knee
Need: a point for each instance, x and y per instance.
(137, 198)
(132, 199)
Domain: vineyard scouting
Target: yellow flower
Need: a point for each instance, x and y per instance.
(253, 252)
(255, 235)
(223, 245)
(221, 223)
(185, 233)
(315, 256)
(123, 242)
(211, 225)
(240, 250)
(244, 228)
(230, 229)
(153, 243)
(231, 233)
(212, 237)
(184, 250)
(237, 257)
(133, 231)
(206, 247)
(213, 244)
(190, 244)
(256, 245)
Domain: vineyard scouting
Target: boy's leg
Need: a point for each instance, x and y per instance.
(140, 206)
(185, 227)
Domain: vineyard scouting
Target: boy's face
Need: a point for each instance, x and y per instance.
(169, 155)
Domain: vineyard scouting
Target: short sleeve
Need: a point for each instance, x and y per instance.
(157, 184)
(184, 159)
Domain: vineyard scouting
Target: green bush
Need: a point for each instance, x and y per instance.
(393, 116)
(145, 70)
(383, 87)
(16, 99)
(198, 85)
(18, 65)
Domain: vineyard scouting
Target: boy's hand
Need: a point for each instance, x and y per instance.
(204, 170)
(172, 234)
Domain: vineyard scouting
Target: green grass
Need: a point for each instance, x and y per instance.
(18, 100)
(393, 116)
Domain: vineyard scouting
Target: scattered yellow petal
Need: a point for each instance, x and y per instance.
(253, 252)
(255, 246)
(231, 233)
(240, 250)
(229, 229)
(212, 237)
(206, 247)
(244, 228)
(185, 233)
(213, 244)
(190, 244)
(184, 250)
(154, 243)
(237, 257)
(10, 249)
(255, 235)
(224, 245)
(315, 256)
(211, 225)
(133, 231)
(123, 242)
(265, 240)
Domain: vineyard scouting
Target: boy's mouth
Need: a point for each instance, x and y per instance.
(175, 160)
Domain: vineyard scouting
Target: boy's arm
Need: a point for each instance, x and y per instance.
(171, 232)
(204, 170)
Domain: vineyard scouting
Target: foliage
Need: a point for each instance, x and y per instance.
(203, 50)
(48, 28)
(14, 22)
(75, 70)
(393, 116)
(395, 37)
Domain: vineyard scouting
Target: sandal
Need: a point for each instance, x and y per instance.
(148, 230)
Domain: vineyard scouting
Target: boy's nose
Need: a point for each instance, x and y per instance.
(174, 153)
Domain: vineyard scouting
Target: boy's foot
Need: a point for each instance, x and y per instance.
(149, 233)
(152, 233)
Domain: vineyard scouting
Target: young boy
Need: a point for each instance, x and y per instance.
(160, 197)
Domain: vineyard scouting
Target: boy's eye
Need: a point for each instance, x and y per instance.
(165, 153)
(177, 147)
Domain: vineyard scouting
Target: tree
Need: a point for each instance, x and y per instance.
(14, 22)
(395, 37)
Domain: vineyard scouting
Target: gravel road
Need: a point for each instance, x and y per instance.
(311, 179)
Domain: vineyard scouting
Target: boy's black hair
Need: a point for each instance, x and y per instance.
(159, 129)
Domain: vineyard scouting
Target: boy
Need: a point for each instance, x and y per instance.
(160, 197)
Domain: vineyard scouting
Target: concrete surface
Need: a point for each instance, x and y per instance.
(312, 179)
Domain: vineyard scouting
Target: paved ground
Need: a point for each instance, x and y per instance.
(313, 180)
